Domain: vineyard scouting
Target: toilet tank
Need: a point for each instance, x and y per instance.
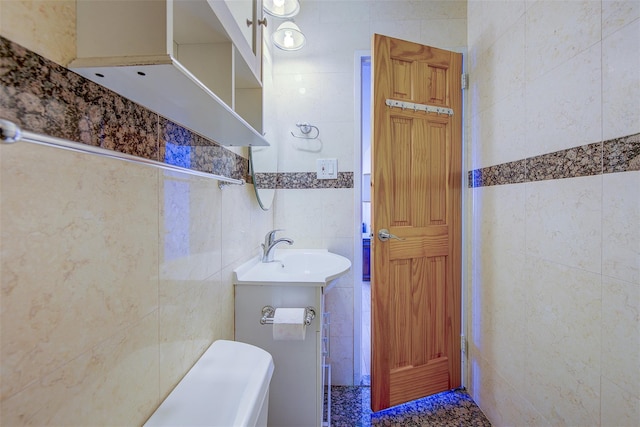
(227, 387)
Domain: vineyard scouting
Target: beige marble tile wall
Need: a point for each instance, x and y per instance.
(115, 277)
(316, 85)
(48, 27)
(554, 289)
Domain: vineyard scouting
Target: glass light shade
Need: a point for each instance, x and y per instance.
(281, 8)
(288, 36)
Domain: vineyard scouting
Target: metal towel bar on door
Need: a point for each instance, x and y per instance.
(418, 107)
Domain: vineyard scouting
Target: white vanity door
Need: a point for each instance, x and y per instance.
(296, 393)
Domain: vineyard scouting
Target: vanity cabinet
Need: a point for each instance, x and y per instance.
(196, 62)
(298, 279)
(301, 375)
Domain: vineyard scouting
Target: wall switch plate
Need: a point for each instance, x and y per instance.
(327, 168)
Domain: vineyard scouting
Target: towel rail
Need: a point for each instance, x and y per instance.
(11, 133)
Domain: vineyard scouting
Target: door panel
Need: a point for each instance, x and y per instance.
(416, 195)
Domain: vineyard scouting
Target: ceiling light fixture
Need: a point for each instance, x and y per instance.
(281, 8)
(288, 36)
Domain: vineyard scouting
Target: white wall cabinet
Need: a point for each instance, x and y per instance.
(196, 62)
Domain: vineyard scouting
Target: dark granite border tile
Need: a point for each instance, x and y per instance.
(474, 178)
(615, 155)
(180, 146)
(266, 180)
(44, 97)
(621, 154)
(32, 94)
(585, 160)
(175, 143)
(504, 173)
(242, 168)
(302, 180)
(305, 180)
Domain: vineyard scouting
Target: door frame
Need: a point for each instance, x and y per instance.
(357, 244)
(357, 241)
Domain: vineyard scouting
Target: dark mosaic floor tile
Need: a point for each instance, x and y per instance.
(351, 408)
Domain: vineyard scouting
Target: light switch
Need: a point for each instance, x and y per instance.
(327, 168)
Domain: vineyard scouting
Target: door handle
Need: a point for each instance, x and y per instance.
(384, 235)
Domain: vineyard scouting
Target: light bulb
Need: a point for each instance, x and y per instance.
(288, 38)
(280, 8)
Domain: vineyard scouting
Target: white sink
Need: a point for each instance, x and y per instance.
(300, 267)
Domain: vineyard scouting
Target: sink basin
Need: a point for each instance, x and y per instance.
(300, 267)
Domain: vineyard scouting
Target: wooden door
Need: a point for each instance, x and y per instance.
(416, 196)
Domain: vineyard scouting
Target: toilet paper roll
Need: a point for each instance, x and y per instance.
(288, 324)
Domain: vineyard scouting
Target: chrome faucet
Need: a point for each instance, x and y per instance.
(270, 243)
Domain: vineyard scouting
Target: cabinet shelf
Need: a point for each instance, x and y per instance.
(184, 59)
(165, 86)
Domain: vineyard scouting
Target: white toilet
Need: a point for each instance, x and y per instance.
(227, 387)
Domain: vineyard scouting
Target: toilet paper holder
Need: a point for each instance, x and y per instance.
(268, 312)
